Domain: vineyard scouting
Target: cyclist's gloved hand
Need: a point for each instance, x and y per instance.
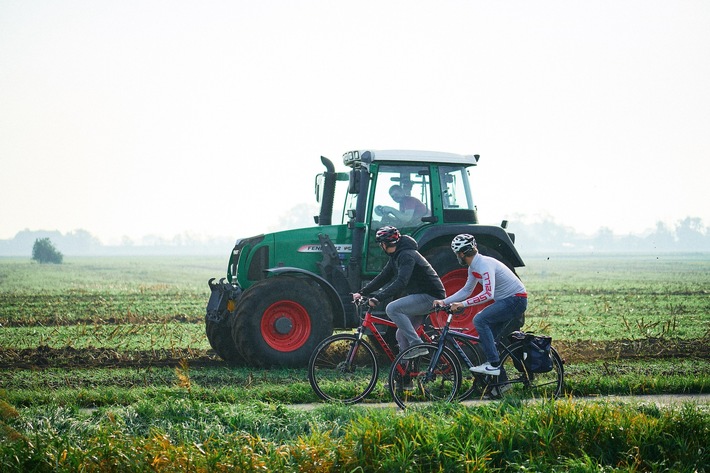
(438, 303)
(357, 296)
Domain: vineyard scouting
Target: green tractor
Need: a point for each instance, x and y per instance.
(286, 291)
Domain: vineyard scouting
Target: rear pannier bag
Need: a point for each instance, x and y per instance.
(538, 351)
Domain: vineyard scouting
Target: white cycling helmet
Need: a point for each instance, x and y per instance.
(463, 243)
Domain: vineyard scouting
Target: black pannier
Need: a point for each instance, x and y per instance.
(538, 351)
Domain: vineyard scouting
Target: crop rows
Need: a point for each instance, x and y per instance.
(131, 309)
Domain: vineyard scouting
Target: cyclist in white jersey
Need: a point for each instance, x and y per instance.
(499, 284)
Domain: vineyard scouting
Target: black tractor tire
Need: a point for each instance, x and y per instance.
(443, 260)
(219, 335)
(280, 321)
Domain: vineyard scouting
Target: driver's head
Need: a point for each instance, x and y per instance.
(397, 193)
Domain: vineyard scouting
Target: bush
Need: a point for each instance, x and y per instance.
(43, 251)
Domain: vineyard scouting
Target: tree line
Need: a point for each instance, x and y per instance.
(687, 235)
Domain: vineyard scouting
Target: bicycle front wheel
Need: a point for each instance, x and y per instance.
(412, 381)
(517, 380)
(470, 385)
(343, 369)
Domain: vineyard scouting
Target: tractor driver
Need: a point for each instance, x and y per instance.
(410, 211)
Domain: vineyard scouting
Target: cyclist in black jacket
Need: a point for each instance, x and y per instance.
(407, 270)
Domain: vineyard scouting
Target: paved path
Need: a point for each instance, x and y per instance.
(660, 399)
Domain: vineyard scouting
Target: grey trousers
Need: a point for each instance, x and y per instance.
(408, 313)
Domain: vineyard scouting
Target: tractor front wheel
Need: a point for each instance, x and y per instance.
(218, 320)
(220, 338)
(280, 320)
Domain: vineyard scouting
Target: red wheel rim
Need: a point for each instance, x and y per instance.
(285, 326)
(453, 281)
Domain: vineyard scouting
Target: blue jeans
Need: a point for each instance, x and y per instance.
(492, 319)
(409, 312)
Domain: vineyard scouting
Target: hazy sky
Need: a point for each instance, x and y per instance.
(209, 117)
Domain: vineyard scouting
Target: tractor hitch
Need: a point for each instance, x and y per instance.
(223, 300)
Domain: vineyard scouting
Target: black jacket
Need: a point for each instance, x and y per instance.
(408, 271)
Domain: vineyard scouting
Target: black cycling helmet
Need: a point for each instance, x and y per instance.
(388, 235)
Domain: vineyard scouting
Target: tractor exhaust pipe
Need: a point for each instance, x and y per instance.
(326, 208)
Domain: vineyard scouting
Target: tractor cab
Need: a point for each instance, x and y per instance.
(411, 190)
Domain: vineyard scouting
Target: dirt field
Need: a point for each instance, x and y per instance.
(46, 357)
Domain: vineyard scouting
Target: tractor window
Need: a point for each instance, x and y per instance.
(350, 204)
(342, 202)
(456, 195)
(402, 196)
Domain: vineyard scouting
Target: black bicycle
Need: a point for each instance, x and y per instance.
(527, 370)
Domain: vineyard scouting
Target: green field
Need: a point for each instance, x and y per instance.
(104, 365)
(155, 303)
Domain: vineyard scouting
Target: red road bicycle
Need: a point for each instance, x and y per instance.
(344, 367)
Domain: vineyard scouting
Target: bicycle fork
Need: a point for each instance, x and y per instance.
(352, 351)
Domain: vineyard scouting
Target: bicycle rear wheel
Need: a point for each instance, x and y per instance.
(516, 380)
(343, 369)
(410, 381)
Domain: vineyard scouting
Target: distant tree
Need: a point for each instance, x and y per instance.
(43, 251)
(691, 234)
(662, 239)
(604, 239)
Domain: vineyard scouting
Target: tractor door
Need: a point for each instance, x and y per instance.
(401, 196)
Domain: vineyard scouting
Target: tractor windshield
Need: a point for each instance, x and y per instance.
(402, 196)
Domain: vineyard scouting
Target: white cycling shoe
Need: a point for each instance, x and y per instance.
(486, 368)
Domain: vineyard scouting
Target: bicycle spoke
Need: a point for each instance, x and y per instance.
(412, 382)
(343, 369)
(517, 380)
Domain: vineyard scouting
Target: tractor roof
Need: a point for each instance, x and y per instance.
(356, 158)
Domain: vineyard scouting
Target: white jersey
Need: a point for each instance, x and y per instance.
(496, 279)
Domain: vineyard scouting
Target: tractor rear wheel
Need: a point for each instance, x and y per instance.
(280, 321)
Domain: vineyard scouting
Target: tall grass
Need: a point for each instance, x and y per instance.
(188, 435)
(100, 387)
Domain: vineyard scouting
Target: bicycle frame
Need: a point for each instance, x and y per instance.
(444, 336)
(453, 335)
(369, 322)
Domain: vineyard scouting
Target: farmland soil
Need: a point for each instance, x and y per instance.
(572, 352)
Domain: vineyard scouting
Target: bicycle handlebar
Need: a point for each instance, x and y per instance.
(445, 308)
(364, 300)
